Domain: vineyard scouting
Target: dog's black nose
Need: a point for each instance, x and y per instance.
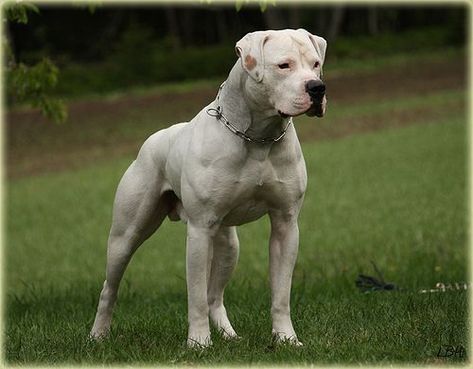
(315, 88)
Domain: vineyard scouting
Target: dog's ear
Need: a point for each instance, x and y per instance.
(319, 43)
(250, 51)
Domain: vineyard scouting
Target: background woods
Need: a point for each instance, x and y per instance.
(113, 48)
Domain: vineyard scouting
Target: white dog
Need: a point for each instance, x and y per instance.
(236, 161)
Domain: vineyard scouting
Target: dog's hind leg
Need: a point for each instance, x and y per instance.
(224, 259)
(139, 210)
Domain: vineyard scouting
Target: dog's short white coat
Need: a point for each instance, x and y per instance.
(207, 176)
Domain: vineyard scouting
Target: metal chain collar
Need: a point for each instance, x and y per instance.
(218, 113)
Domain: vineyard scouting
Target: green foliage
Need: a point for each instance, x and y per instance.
(31, 84)
(133, 54)
(389, 43)
(90, 5)
(239, 4)
(263, 4)
(18, 12)
(138, 60)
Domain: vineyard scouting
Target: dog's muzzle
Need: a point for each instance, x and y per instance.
(316, 90)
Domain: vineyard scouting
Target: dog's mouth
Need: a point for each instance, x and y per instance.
(316, 109)
(283, 115)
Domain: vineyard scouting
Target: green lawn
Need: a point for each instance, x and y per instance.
(396, 196)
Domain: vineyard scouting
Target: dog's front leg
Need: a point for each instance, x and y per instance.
(283, 249)
(199, 242)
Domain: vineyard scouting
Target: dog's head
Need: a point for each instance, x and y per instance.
(286, 69)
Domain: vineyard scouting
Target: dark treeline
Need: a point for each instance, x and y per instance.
(72, 33)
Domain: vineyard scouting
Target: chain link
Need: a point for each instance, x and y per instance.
(218, 114)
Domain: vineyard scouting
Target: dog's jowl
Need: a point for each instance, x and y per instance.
(238, 159)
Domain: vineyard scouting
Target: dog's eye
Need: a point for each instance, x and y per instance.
(283, 66)
(317, 64)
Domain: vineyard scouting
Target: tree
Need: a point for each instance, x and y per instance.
(336, 22)
(373, 20)
(30, 84)
(173, 27)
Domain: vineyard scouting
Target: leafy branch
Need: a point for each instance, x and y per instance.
(30, 84)
(263, 4)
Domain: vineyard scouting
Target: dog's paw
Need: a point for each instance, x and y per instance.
(284, 339)
(219, 318)
(229, 335)
(98, 336)
(295, 342)
(199, 343)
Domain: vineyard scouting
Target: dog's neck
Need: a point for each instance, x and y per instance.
(253, 117)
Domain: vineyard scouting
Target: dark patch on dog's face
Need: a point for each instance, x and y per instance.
(250, 62)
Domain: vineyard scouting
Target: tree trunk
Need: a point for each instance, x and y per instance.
(336, 22)
(100, 46)
(188, 25)
(321, 16)
(373, 21)
(173, 27)
(273, 19)
(222, 25)
(9, 49)
(294, 17)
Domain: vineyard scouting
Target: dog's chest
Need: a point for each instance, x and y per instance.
(261, 187)
(247, 212)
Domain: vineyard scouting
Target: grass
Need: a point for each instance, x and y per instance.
(397, 197)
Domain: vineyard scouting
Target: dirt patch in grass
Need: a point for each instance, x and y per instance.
(372, 122)
(103, 129)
